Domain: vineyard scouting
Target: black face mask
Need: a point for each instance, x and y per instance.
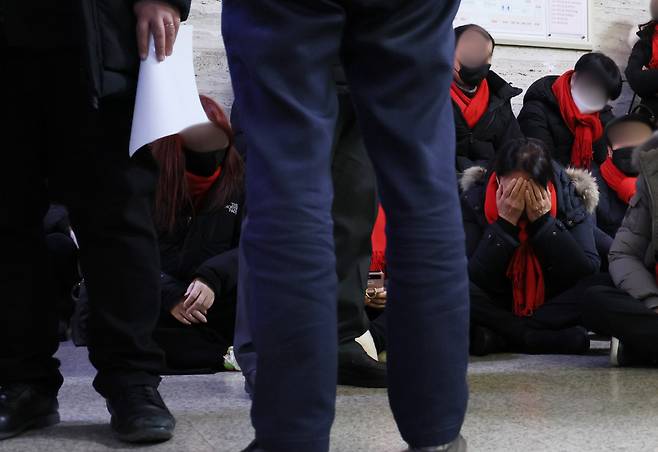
(623, 159)
(473, 75)
(203, 163)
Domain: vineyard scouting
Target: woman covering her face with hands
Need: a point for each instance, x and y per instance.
(198, 215)
(530, 244)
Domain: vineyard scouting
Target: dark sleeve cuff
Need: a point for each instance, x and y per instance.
(538, 224)
(508, 227)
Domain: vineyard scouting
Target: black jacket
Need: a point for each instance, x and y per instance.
(102, 30)
(610, 210)
(540, 118)
(564, 245)
(478, 146)
(643, 82)
(204, 245)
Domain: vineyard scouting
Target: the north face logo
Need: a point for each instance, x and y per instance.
(232, 208)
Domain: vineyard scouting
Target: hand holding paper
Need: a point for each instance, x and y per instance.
(167, 99)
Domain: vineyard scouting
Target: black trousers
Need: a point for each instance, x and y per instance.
(496, 313)
(354, 213)
(56, 147)
(610, 311)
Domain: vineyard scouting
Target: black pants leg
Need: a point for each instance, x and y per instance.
(110, 209)
(610, 311)
(558, 312)
(61, 148)
(354, 213)
(29, 320)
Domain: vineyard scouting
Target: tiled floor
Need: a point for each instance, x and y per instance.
(518, 403)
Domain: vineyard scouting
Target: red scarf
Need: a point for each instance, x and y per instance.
(199, 186)
(621, 183)
(378, 261)
(586, 129)
(524, 269)
(472, 108)
(653, 63)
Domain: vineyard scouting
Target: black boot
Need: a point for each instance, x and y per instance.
(23, 407)
(569, 341)
(485, 341)
(356, 368)
(139, 415)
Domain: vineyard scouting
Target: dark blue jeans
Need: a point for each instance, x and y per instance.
(398, 56)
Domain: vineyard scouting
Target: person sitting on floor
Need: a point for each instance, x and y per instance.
(568, 112)
(617, 175)
(642, 68)
(198, 215)
(625, 306)
(484, 120)
(530, 243)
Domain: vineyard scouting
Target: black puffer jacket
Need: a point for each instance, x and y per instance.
(644, 82)
(540, 118)
(104, 31)
(610, 210)
(564, 245)
(202, 245)
(478, 146)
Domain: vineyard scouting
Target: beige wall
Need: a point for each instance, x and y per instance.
(612, 23)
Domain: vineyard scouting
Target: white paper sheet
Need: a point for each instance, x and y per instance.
(167, 99)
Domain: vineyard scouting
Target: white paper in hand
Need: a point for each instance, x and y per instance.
(167, 99)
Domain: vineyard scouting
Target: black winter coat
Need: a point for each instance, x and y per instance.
(477, 146)
(540, 118)
(610, 210)
(204, 245)
(564, 245)
(103, 30)
(643, 82)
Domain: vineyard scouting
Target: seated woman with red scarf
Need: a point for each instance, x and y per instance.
(198, 215)
(530, 245)
(617, 175)
(568, 113)
(484, 120)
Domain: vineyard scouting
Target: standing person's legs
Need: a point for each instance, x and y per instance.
(110, 202)
(280, 55)
(398, 57)
(29, 320)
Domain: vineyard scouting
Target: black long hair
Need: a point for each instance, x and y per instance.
(528, 155)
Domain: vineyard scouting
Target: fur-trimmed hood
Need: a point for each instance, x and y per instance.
(584, 183)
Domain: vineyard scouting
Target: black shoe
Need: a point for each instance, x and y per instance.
(23, 407)
(356, 368)
(625, 355)
(485, 341)
(569, 341)
(139, 415)
(458, 445)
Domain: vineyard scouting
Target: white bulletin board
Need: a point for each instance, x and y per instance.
(538, 23)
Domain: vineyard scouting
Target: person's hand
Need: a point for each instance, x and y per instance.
(376, 300)
(160, 19)
(537, 201)
(510, 200)
(180, 313)
(199, 298)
